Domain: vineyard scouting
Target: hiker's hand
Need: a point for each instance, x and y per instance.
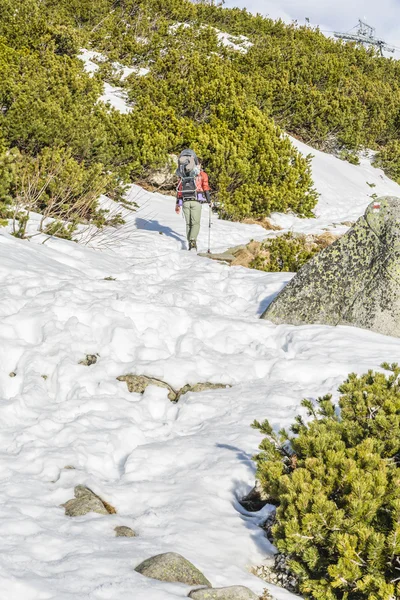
(177, 209)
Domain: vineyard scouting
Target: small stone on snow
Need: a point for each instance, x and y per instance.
(172, 567)
(235, 592)
(123, 531)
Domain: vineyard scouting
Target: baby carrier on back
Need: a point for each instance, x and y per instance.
(187, 171)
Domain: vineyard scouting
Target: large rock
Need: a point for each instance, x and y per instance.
(172, 567)
(355, 281)
(236, 592)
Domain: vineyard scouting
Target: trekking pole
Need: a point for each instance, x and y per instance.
(209, 228)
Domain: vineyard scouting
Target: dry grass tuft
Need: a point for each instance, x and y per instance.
(263, 222)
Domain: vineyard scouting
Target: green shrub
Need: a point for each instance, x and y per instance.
(56, 185)
(351, 157)
(9, 160)
(105, 218)
(20, 222)
(255, 169)
(336, 483)
(287, 252)
(388, 159)
(60, 229)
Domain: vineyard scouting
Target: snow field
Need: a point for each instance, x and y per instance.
(173, 472)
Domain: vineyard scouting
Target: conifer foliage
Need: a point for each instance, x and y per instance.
(222, 81)
(335, 480)
(284, 253)
(193, 95)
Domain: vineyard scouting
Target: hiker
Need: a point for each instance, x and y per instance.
(192, 191)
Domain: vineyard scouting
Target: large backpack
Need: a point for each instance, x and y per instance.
(187, 171)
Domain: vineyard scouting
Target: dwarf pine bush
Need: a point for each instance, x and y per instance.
(289, 252)
(389, 159)
(285, 253)
(335, 480)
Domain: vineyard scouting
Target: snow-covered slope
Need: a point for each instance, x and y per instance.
(173, 472)
(345, 191)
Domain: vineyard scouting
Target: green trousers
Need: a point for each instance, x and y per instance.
(192, 212)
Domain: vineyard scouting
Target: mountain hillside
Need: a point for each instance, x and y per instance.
(130, 366)
(179, 74)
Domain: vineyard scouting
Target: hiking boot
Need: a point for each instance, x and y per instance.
(192, 245)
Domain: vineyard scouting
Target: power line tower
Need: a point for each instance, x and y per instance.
(364, 35)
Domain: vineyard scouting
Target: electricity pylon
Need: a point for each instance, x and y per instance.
(365, 35)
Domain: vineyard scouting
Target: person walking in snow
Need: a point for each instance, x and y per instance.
(193, 190)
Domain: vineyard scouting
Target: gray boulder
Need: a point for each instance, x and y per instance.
(172, 567)
(236, 592)
(123, 531)
(86, 501)
(355, 281)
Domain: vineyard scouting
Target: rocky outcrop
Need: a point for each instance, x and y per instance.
(172, 567)
(138, 384)
(355, 281)
(236, 592)
(86, 501)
